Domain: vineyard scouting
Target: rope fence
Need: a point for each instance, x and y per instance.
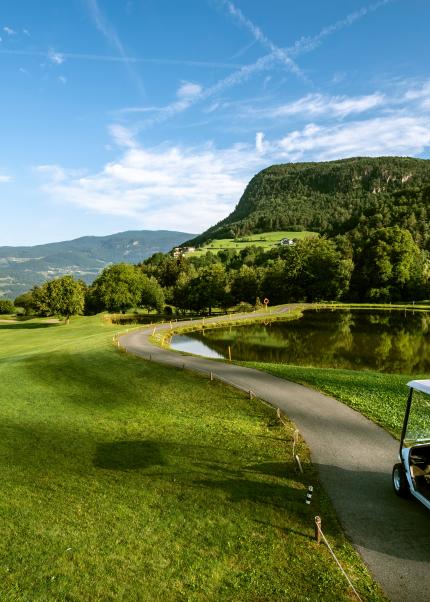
(320, 535)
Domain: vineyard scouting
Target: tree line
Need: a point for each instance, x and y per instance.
(386, 265)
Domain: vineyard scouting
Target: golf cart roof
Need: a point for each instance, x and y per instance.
(420, 385)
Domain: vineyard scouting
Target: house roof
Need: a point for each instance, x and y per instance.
(420, 385)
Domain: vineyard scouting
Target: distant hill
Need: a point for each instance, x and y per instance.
(22, 267)
(333, 197)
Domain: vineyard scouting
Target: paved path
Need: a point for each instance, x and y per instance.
(354, 458)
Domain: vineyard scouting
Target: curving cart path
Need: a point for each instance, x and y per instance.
(354, 458)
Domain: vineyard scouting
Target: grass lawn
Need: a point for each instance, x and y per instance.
(379, 396)
(267, 240)
(125, 480)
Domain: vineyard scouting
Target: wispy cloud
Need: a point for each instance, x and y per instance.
(172, 187)
(55, 57)
(113, 39)
(320, 105)
(392, 135)
(9, 31)
(62, 79)
(189, 90)
(4, 178)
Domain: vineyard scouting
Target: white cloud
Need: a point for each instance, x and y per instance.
(4, 179)
(189, 90)
(9, 31)
(391, 135)
(165, 187)
(26, 32)
(55, 57)
(122, 136)
(259, 142)
(313, 105)
(62, 79)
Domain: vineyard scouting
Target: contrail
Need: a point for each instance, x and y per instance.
(120, 59)
(245, 72)
(307, 44)
(110, 34)
(261, 37)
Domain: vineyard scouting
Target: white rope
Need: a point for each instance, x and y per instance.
(337, 561)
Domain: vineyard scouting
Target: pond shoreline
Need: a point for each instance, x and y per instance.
(389, 340)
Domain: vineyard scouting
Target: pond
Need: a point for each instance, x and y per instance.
(358, 339)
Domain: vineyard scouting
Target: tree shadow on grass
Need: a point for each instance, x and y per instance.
(128, 455)
(27, 326)
(277, 495)
(102, 379)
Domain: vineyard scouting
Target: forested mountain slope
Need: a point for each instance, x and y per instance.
(22, 267)
(334, 197)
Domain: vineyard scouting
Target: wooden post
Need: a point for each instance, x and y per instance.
(211, 375)
(153, 332)
(229, 353)
(318, 529)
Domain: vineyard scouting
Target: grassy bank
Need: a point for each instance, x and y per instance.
(124, 480)
(162, 336)
(381, 397)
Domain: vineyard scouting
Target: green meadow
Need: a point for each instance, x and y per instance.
(125, 480)
(267, 240)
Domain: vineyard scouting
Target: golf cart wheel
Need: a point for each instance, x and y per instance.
(400, 484)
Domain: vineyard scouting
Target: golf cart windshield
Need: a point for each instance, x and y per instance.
(418, 425)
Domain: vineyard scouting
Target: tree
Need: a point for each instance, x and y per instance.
(245, 285)
(118, 288)
(323, 274)
(26, 302)
(207, 289)
(151, 296)
(6, 306)
(390, 266)
(62, 297)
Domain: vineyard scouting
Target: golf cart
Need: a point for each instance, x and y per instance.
(411, 476)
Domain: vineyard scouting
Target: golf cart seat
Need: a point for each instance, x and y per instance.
(420, 471)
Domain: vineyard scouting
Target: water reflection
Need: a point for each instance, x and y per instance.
(191, 345)
(387, 341)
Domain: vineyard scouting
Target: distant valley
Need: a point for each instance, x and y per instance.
(23, 267)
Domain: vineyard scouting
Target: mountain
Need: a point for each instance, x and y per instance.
(23, 267)
(333, 197)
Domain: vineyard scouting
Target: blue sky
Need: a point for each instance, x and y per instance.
(154, 114)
